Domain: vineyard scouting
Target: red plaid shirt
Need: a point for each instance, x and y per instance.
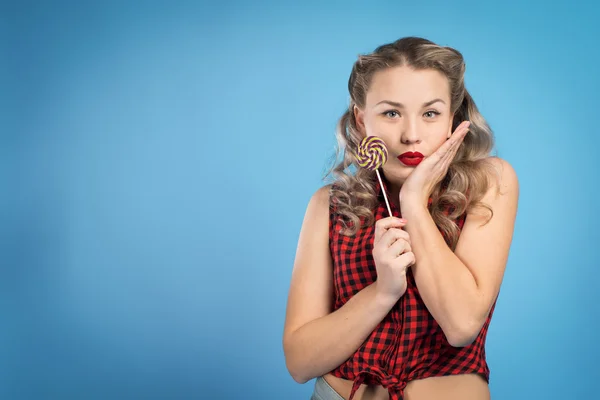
(408, 343)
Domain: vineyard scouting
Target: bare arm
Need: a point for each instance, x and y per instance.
(460, 287)
(316, 340)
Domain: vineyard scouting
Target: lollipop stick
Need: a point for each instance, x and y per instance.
(384, 194)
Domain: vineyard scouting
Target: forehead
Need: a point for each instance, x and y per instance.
(408, 86)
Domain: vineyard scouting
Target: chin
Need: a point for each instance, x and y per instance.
(398, 175)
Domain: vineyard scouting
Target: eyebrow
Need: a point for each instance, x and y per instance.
(400, 105)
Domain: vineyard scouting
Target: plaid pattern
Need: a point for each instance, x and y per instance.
(408, 343)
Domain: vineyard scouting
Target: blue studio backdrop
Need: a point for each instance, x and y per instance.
(156, 160)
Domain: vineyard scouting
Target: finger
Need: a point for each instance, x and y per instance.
(449, 149)
(449, 154)
(399, 247)
(455, 143)
(463, 125)
(407, 258)
(439, 155)
(446, 159)
(392, 235)
(451, 143)
(384, 224)
(460, 133)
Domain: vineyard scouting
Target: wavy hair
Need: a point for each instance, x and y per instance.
(468, 177)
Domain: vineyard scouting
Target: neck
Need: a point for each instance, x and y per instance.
(392, 191)
(394, 195)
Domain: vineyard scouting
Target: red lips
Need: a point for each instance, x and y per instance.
(411, 158)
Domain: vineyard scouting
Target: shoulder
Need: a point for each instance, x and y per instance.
(315, 225)
(319, 205)
(504, 182)
(321, 198)
(502, 193)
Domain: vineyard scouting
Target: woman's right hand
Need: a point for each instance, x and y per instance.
(392, 255)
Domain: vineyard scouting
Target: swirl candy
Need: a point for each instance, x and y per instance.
(372, 153)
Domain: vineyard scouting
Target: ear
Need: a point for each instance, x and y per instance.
(359, 117)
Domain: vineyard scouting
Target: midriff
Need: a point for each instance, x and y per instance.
(451, 387)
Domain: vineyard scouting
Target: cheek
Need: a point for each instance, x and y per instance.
(371, 121)
(438, 136)
(378, 127)
(438, 132)
(434, 145)
(443, 130)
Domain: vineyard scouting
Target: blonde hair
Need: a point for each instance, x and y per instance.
(467, 179)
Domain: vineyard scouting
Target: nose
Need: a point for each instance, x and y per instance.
(410, 134)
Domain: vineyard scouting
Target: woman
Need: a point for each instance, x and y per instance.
(399, 306)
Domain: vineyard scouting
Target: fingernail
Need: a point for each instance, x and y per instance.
(403, 220)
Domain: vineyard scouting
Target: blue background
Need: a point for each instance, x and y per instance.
(156, 160)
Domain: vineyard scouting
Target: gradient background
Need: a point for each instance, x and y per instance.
(156, 160)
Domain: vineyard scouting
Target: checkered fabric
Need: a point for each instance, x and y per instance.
(408, 343)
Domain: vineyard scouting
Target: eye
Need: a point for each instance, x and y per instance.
(391, 113)
(432, 114)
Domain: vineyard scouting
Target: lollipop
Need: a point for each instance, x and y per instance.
(372, 155)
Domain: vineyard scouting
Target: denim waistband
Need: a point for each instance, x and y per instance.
(323, 391)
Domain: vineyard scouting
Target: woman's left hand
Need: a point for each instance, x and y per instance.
(420, 183)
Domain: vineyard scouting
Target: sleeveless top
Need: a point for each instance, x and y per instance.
(408, 343)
